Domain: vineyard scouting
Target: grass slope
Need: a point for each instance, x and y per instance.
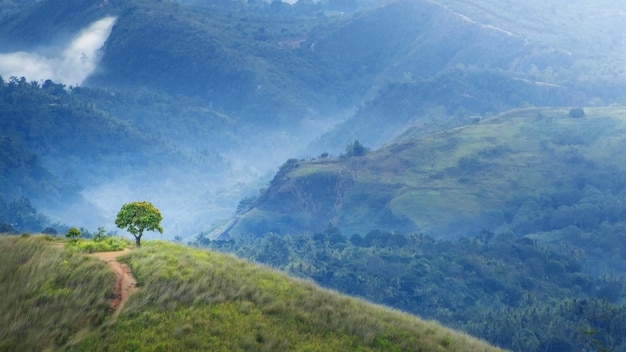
(49, 294)
(199, 300)
(191, 299)
(458, 181)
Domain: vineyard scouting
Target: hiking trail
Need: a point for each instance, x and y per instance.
(125, 284)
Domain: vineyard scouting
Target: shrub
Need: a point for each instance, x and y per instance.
(72, 234)
(576, 113)
(108, 244)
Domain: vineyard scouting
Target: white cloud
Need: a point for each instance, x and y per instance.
(71, 66)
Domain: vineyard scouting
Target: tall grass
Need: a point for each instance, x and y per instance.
(48, 293)
(191, 299)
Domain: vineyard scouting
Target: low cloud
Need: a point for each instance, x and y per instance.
(70, 65)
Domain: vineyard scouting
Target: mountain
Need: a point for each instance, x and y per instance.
(469, 163)
(515, 172)
(213, 97)
(447, 60)
(450, 99)
(192, 300)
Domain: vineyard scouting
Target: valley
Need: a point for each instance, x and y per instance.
(461, 161)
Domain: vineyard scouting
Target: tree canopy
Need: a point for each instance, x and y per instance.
(136, 217)
(73, 233)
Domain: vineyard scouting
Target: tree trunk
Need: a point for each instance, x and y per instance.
(137, 241)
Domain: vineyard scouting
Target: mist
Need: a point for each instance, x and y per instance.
(69, 65)
(193, 200)
(189, 201)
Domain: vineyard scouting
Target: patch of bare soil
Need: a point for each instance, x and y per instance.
(125, 284)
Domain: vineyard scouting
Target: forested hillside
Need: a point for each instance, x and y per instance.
(59, 147)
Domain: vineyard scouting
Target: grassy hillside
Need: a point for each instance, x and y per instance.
(49, 294)
(516, 172)
(191, 300)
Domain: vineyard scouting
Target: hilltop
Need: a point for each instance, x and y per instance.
(520, 172)
(189, 299)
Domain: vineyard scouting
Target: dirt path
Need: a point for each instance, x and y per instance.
(125, 284)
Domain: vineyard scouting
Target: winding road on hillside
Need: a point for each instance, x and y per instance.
(125, 284)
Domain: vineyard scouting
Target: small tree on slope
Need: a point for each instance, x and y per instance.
(139, 216)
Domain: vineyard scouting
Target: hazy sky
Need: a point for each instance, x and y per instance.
(70, 65)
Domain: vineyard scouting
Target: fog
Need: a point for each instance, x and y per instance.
(192, 200)
(70, 65)
(189, 202)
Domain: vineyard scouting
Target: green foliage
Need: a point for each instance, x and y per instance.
(355, 149)
(73, 234)
(191, 299)
(49, 294)
(136, 217)
(106, 244)
(576, 113)
(99, 236)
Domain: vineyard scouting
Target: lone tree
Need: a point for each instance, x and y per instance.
(577, 113)
(136, 217)
(356, 149)
(72, 233)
